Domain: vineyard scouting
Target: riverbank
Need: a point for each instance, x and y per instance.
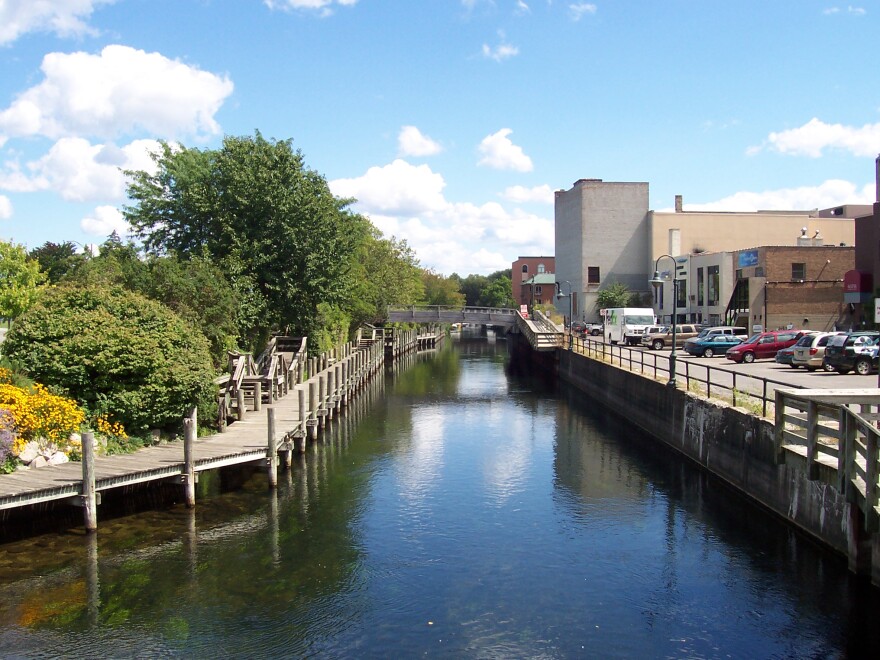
(736, 446)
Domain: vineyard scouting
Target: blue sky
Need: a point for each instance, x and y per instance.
(452, 122)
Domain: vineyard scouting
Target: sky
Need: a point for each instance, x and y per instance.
(451, 122)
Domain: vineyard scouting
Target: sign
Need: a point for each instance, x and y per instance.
(747, 258)
(876, 310)
(757, 328)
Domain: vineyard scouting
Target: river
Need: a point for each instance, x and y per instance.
(457, 510)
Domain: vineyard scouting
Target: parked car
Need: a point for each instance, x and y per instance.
(711, 346)
(662, 337)
(785, 356)
(764, 345)
(578, 328)
(711, 331)
(594, 329)
(809, 351)
(853, 351)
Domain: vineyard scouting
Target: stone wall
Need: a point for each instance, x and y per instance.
(730, 443)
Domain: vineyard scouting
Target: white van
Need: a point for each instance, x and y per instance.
(627, 324)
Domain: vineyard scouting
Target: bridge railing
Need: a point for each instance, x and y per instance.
(715, 382)
(838, 430)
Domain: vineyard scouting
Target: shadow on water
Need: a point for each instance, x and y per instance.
(781, 559)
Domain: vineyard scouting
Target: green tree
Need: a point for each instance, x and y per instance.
(473, 287)
(615, 294)
(286, 243)
(498, 293)
(20, 280)
(440, 290)
(57, 260)
(117, 353)
(386, 272)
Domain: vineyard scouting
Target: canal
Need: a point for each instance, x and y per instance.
(457, 510)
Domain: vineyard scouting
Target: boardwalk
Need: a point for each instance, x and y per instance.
(264, 432)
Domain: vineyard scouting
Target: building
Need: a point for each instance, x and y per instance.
(771, 287)
(524, 268)
(539, 289)
(863, 283)
(601, 237)
(606, 233)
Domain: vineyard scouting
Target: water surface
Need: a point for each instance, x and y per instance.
(455, 511)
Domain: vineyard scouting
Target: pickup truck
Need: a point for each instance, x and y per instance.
(663, 338)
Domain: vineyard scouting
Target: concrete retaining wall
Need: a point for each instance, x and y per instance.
(730, 443)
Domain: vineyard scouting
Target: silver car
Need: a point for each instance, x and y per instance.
(809, 352)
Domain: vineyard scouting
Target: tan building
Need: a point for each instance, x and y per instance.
(605, 233)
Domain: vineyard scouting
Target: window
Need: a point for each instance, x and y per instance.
(799, 271)
(592, 275)
(759, 271)
(701, 285)
(538, 290)
(525, 268)
(540, 268)
(714, 293)
(681, 302)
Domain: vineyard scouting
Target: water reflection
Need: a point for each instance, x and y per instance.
(451, 511)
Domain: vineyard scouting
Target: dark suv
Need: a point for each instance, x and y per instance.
(854, 351)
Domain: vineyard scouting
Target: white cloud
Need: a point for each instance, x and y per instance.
(406, 201)
(5, 208)
(833, 192)
(120, 91)
(104, 221)
(522, 8)
(65, 18)
(412, 142)
(500, 52)
(323, 7)
(398, 188)
(855, 11)
(501, 154)
(80, 171)
(520, 194)
(581, 9)
(815, 136)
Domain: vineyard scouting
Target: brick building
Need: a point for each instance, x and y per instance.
(525, 268)
(799, 286)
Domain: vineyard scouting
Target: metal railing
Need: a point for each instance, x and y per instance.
(715, 382)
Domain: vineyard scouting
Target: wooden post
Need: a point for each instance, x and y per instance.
(272, 450)
(345, 383)
(303, 416)
(89, 500)
(239, 398)
(258, 396)
(190, 427)
(812, 440)
(322, 397)
(331, 382)
(313, 409)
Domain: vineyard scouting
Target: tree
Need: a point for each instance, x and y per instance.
(498, 293)
(441, 291)
(116, 353)
(616, 294)
(20, 280)
(286, 243)
(58, 259)
(386, 272)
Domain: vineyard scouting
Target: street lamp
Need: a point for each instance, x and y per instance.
(559, 295)
(657, 283)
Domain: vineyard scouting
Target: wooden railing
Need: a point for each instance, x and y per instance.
(837, 430)
(541, 333)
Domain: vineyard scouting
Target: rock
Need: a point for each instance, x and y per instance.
(30, 452)
(39, 461)
(58, 458)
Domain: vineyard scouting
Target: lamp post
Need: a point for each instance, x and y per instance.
(559, 295)
(657, 283)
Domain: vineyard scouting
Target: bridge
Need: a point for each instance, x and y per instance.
(541, 332)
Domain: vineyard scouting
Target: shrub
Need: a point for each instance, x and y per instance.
(7, 458)
(121, 356)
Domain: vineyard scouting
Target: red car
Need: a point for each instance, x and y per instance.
(764, 345)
